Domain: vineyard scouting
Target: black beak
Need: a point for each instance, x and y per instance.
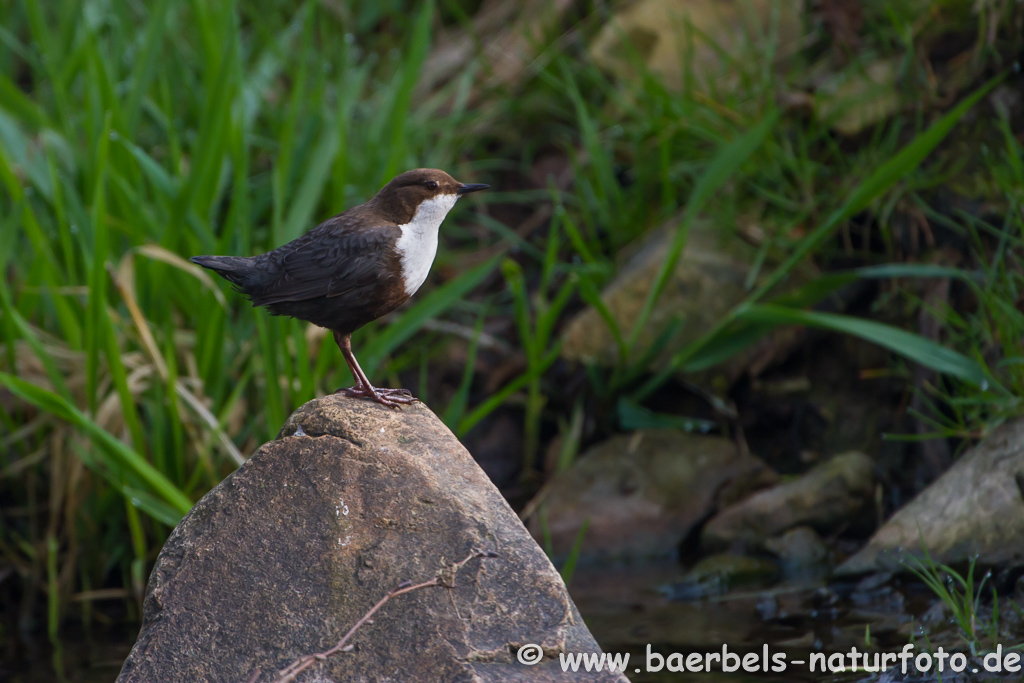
(472, 187)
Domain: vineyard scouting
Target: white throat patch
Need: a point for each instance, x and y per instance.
(418, 243)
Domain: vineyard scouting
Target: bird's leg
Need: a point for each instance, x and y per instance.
(363, 388)
(345, 344)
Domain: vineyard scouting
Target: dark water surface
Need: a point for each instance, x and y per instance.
(628, 612)
(95, 657)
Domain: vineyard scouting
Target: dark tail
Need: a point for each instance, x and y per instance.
(234, 269)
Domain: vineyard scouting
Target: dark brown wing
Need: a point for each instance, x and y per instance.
(328, 261)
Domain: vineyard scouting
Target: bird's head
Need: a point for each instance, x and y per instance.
(428, 188)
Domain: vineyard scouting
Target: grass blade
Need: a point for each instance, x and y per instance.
(724, 165)
(912, 346)
(110, 446)
(888, 174)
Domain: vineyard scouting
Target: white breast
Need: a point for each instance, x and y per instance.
(418, 243)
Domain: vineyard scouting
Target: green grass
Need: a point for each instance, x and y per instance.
(962, 595)
(128, 146)
(134, 135)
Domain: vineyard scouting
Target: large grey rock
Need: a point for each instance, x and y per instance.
(642, 493)
(975, 509)
(824, 498)
(352, 499)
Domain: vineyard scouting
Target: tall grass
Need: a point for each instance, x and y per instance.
(131, 137)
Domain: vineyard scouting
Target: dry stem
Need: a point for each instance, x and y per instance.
(445, 577)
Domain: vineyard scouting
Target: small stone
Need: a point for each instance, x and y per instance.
(719, 574)
(799, 549)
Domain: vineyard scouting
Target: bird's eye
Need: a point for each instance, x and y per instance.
(431, 184)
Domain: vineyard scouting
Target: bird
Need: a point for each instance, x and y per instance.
(354, 267)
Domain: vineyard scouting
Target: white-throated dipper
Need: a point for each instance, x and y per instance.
(355, 267)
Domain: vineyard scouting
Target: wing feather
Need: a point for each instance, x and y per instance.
(328, 261)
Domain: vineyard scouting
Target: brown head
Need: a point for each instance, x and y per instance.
(399, 199)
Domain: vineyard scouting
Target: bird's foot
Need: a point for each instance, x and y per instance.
(393, 398)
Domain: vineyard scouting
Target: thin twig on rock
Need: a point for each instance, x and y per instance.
(445, 577)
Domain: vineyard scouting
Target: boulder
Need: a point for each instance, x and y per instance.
(824, 498)
(974, 510)
(697, 38)
(708, 281)
(352, 499)
(644, 492)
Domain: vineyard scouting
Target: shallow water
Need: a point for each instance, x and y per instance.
(81, 658)
(627, 612)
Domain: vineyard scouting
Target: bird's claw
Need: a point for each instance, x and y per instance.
(392, 398)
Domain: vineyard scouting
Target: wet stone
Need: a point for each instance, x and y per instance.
(800, 550)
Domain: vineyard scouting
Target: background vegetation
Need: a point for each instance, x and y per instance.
(136, 134)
